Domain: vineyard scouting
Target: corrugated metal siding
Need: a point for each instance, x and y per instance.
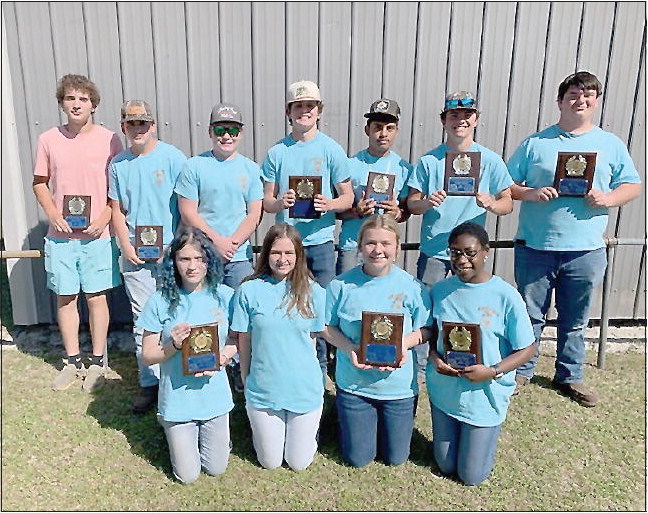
(184, 57)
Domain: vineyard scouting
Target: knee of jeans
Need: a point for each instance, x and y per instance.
(393, 462)
(356, 460)
(269, 463)
(186, 477)
(471, 478)
(446, 466)
(215, 470)
(298, 464)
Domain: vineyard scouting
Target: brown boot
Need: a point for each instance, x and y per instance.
(577, 392)
(146, 399)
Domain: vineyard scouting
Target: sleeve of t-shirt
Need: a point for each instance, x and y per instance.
(339, 164)
(177, 164)
(500, 178)
(150, 319)
(623, 170)
(116, 146)
(268, 169)
(41, 166)
(421, 306)
(406, 169)
(239, 312)
(319, 307)
(113, 189)
(519, 331)
(419, 178)
(255, 189)
(187, 184)
(333, 293)
(517, 164)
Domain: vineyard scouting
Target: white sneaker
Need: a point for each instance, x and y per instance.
(95, 378)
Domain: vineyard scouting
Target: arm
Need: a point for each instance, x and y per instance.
(98, 225)
(397, 209)
(478, 373)
(623, 194)
(341, 203)
(418, 203)
(44, 198)
(154, 352)
(229, 350)
(336, 338)
(190, 216)
(245, 354)
(523, 193)
(121, 230)
(272, 203)
(249, 224)
(499, 204)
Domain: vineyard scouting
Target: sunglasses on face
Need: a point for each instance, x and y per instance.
(470, 254)
(220, 130)
(466, 102)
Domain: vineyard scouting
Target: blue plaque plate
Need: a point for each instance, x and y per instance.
(461, 185)
(77, 222)
(460, 359)
(572, 187)
(305, 209)
(149, 252)
(381, 353)
(201, 362)
(379, 198)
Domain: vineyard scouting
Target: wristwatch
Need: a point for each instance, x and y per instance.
(498, 371)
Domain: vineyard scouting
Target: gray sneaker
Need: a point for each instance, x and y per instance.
(67, 376)
(95, 378)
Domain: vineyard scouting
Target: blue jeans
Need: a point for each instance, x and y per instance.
(234, 272)
(374, 427)
(347, 259)
(463, 449)
(140, 283)
(320, 259)
(573, 275)
(198, 444)
(429, 270)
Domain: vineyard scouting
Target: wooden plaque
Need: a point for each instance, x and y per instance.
(201, 350)
(462, 170)
(381, 339)
(461, 344)
(148, 242)
(76, 211)
(380, 186)
(574, 173)
(305, 187)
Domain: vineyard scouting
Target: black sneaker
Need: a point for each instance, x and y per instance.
(577, 392)
(146, 399)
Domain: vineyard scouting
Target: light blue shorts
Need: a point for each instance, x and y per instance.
(89, 265)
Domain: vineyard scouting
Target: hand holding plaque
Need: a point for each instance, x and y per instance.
(76, 211)
(380, 186)
(305, 187)
(381, 339)
(148, 242)
(200, 350)
(574, 173)
(461, 344)
(462, 171)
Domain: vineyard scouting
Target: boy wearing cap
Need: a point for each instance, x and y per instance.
(142, 179)
(72, 160)
(220, 192)
(441, 213)
(308, 152)
(381, 129)
(559, 244)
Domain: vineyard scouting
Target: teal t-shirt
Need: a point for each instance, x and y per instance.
(353, 292)
(223, 189)
(321, 156)
(284, 371)
(505, 327)
(360, 165)
(183, 398)
(437, 223)
(567, 223)
(144, 186)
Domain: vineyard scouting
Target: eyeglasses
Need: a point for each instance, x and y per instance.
(220, 130)
(470, 254)
(465, 102)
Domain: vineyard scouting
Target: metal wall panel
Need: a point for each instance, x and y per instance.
(184, 57)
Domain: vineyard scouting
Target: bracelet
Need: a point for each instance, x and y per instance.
(174, 346)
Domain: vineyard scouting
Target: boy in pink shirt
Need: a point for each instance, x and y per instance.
(71, 185)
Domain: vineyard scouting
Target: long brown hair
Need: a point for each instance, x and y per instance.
(298, 294)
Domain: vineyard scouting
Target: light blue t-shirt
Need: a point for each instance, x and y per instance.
(437, 223)
(567, 223)
(144, 186)
(360, 165)
(321, 156)
(223, 189)
(353, 292)
(183, 398)
(284, 371)
(504, 327)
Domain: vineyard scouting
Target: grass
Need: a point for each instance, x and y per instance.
(73, 451)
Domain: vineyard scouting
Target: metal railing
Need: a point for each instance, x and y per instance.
(610, 243)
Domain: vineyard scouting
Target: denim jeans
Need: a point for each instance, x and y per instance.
(573, 275)
(374, 427)
(198, 444)
(234, 272)
(282, 434)
(347, 259)
(463, 449)
(320, 259)
(140, 283)
(429, 270)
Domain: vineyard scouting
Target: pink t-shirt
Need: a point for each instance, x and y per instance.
(77, 165)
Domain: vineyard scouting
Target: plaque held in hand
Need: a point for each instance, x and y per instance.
(462, 170)
(380, 186)
(148, 242)
(200, 350)
(76, 211)
(574, 173)
(305, 187)
(381, 339)
(461, 344)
